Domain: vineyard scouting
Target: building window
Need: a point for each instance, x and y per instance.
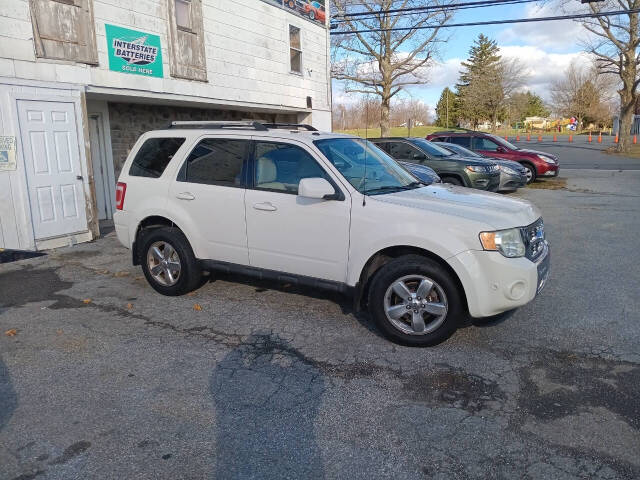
(295, 50)
(64, 30)
(186, 40)
(183, 14)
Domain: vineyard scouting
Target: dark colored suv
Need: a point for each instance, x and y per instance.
(467, 172)
(538, 164)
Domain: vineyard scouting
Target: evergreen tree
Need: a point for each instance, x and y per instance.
(447, 109)
(480, 86)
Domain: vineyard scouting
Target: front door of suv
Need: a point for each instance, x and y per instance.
(289, 233)
(208, 197)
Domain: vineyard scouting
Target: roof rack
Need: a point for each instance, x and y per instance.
(291, 125)
(218, 124)
(255, 124)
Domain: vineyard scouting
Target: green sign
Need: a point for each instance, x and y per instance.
(134, 52)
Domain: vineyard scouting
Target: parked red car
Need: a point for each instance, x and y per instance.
(537, 164)
(315, 10)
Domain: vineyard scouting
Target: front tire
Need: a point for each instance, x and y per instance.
(168, 261)
(452, 181)
(415, 301)
(532, 174)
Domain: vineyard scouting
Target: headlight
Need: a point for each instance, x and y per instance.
(544, 158)
(509, 170)
(477, 168)
(508, 242)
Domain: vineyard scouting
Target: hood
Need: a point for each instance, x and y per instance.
(496, 211)
(468, 160)
(508, 163)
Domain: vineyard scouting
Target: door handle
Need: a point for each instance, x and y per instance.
(185, 196)
(267, 206)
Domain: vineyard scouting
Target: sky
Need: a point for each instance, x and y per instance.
(544, 48)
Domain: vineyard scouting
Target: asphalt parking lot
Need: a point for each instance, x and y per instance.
(103, 378)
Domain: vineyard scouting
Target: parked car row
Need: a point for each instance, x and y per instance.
(536, 163)
(291, 204)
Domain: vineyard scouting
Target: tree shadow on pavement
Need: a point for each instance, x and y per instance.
(8, 397)
(267, 395)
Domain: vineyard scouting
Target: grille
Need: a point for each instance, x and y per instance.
(534, 238)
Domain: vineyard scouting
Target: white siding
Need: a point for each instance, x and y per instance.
(246, 45)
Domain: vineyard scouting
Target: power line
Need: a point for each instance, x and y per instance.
(493, 22)
(402, 12)
(452, 6)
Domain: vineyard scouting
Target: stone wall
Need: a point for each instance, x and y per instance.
(128, 121)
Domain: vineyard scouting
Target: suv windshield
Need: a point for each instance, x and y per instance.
(365, 166)
(504, 142)
(431, 148)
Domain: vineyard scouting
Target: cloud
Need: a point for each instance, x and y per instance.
(558, 36)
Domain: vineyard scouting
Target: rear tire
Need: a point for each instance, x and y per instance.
(416, 319)
(532, 174)
(452, 181)
(168, 261)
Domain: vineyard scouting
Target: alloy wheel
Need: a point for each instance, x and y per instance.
(415, 305)
(164, 263)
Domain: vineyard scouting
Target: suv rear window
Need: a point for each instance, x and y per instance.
(154, 156)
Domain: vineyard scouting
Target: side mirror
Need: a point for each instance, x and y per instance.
(419, 156)
(316, 188)
(500, 149)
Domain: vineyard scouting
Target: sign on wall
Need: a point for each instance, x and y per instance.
(310, 9)
(7, 153)
(134, 52)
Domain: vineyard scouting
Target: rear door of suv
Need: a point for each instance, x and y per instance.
(207, 197)
(288, 233)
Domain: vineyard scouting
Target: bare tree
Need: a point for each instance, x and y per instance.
(615, 46)
(583, 92)
(381, 62)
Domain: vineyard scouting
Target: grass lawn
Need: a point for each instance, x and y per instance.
(633, 152)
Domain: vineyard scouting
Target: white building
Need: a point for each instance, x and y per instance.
(80, 80)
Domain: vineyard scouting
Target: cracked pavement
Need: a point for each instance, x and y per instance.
(107, 379)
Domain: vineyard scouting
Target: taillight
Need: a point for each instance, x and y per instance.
(121, 190)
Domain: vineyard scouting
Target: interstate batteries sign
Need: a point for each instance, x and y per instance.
(134, 52)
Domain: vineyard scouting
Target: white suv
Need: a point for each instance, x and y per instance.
(293, 204)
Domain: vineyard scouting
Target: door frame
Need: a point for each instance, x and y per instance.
(108, 182)
(87, 172)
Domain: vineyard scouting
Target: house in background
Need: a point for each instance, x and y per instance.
(80, 80)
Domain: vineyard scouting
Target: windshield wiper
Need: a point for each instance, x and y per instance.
(394, 188)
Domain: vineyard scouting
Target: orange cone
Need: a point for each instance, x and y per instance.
(528, 137)
(589, 139)
(616, 139)
(539, 138)
(506, 137)
(517, 138)
(555, 137)
(600, 137)
(570, 138)
(635, 139)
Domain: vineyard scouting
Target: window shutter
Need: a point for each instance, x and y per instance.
(187, 44)
(64, 30)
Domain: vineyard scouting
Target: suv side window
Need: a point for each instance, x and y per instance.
(279, 167)
(215, 161)
(483, 143)
(462, 141)
(404, 151)
(154, 156)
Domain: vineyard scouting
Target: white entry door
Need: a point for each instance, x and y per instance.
(52, 163)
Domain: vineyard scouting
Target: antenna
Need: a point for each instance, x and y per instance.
(366, 147)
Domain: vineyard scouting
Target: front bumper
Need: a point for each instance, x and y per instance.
(547, 169)
(494, 284)
(511, 182)
(489, 182)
